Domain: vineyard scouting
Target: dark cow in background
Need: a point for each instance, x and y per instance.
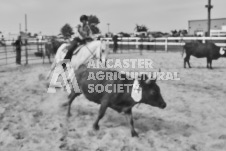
(203, 50)
(120, 102)
(51, 48)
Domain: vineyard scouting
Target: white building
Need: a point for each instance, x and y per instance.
(218, 33)
(199, 27)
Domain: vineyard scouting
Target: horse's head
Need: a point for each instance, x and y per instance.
(103, 45)
(104, 51)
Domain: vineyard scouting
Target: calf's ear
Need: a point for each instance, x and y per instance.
(143, 79)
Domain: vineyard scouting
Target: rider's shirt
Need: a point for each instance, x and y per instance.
(85, 32)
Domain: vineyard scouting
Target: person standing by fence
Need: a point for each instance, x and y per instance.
(115, 41)
(18, 45)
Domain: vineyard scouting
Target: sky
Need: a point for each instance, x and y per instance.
(48, 16)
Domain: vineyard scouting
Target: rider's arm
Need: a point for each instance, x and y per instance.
(81, 32)
(90, 33)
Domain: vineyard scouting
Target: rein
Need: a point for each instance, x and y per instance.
(94, 56)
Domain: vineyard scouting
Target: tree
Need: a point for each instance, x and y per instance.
(35, 34)
(93, 21)
(176, 33)
(141, 28)
(95, 29)
(29, 34)
(67, 31)
(124, 34)
(184, 32)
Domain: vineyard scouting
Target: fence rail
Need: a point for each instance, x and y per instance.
(8, 56)
(164, 41)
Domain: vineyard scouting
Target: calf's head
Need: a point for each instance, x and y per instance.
(151, 94)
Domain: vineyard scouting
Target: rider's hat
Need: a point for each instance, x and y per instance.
(84, 17)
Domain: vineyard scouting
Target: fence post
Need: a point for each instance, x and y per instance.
(148, 46)
(155, 44)
(26, 53)
(37, 45)
(42, 50)
(6, 54)
(128, 44)
(203, 40)
(166, 45)
(107, 45)
(121, 45)
(137, 46)
(141, 46)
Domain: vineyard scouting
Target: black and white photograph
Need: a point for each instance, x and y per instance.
(112, 75)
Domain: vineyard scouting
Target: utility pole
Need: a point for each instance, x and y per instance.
(108, 27)
(209, 7)
(26, 53)
(25, 23)
(19, 27)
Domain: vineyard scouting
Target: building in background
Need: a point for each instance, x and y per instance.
(199, 27)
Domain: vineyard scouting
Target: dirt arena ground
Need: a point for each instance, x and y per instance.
(194, 119)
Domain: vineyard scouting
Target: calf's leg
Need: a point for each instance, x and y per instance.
(102, 110)
(71, 99)
(129, 117)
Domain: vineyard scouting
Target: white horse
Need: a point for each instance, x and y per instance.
(94, 49)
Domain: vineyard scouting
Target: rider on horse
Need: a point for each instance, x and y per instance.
(84, 30)
(85, 35)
